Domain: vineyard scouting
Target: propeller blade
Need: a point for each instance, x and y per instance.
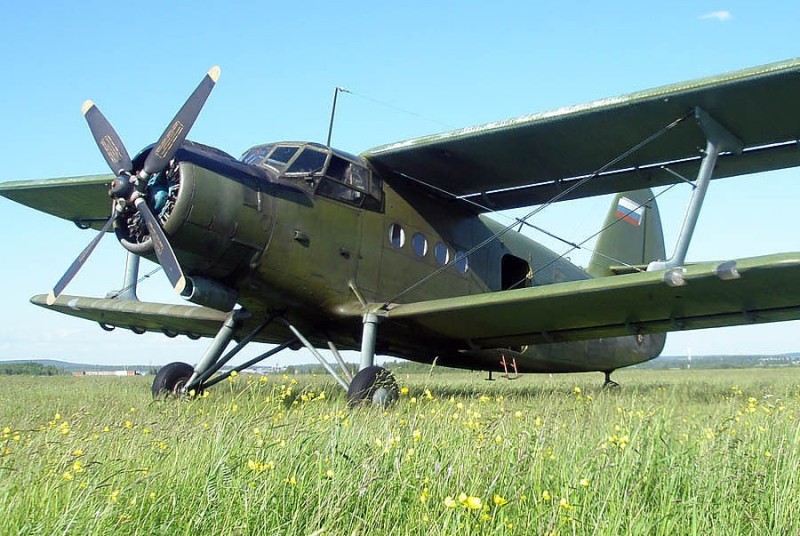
(78, 263)
(178, 129)
(107, 139)
(164, 252)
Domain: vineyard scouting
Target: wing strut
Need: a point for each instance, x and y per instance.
(718, 140)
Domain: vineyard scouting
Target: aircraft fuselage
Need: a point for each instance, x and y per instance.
(310, 243)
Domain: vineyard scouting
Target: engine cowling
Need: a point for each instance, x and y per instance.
(215, 214)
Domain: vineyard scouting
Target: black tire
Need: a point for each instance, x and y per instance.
(375, 385)
(171, 378)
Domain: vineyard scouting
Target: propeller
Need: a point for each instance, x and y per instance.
(128, 188)
(78, 263)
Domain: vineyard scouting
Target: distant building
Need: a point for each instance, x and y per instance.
(107, 373)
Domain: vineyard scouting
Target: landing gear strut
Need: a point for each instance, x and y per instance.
(372, 384)
(609, 383)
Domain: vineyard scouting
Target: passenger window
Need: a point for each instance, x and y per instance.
(420, 244)
(442, 253)
(397, 237)
(462, 264)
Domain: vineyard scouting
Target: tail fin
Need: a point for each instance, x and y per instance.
(631, 234)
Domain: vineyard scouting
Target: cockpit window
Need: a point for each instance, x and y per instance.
(350, 182)
(255, 155)
(327, 172)
(280, 156)
(309, 161)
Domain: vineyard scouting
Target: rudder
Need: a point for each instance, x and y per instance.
(631, 234)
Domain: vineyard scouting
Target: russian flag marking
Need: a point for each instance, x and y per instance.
(629, 211)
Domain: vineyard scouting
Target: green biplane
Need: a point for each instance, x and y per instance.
(391, 251)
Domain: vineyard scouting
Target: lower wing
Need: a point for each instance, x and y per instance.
(704, 295)
(140, 316)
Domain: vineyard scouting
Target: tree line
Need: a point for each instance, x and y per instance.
(29, 369)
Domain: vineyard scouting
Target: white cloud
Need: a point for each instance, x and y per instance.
(721, 16)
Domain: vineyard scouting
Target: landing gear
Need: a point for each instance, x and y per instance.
(609, 383)
(373, 384)
(171, 379)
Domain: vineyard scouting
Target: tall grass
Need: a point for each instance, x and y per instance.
(679, 452)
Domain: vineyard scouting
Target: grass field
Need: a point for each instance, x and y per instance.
(678, 452)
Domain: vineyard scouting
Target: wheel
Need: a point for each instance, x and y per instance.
(171, 378)
(373, 384)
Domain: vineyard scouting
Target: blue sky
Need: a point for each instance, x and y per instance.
(447, 64)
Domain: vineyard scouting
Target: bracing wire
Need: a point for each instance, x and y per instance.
(580, 245)
(126, 288)
(398, 109)
(457, 258)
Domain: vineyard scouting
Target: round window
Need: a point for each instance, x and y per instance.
(420, 244)
(462, 263)
(397, 237)
(442, 254)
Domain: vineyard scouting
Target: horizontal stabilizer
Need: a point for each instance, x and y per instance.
(140, 316)
(710, 294)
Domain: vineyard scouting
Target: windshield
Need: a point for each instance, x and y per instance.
(329, 173)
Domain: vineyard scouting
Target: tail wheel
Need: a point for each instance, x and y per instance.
(172, 378)
(373, 384)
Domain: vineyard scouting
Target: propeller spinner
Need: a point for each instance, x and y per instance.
(128, 188)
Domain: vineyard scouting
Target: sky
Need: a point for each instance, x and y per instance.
(414, 68)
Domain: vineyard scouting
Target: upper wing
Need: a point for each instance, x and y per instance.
(83, 200)
(766, 291)
(541, 155)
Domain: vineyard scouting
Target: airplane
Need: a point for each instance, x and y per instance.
(393, 252)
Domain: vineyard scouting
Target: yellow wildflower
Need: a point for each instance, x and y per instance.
(498, 500)
(473, 503)
(450, 502)
(423, 497)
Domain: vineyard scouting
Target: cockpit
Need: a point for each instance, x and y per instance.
(330, 173)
